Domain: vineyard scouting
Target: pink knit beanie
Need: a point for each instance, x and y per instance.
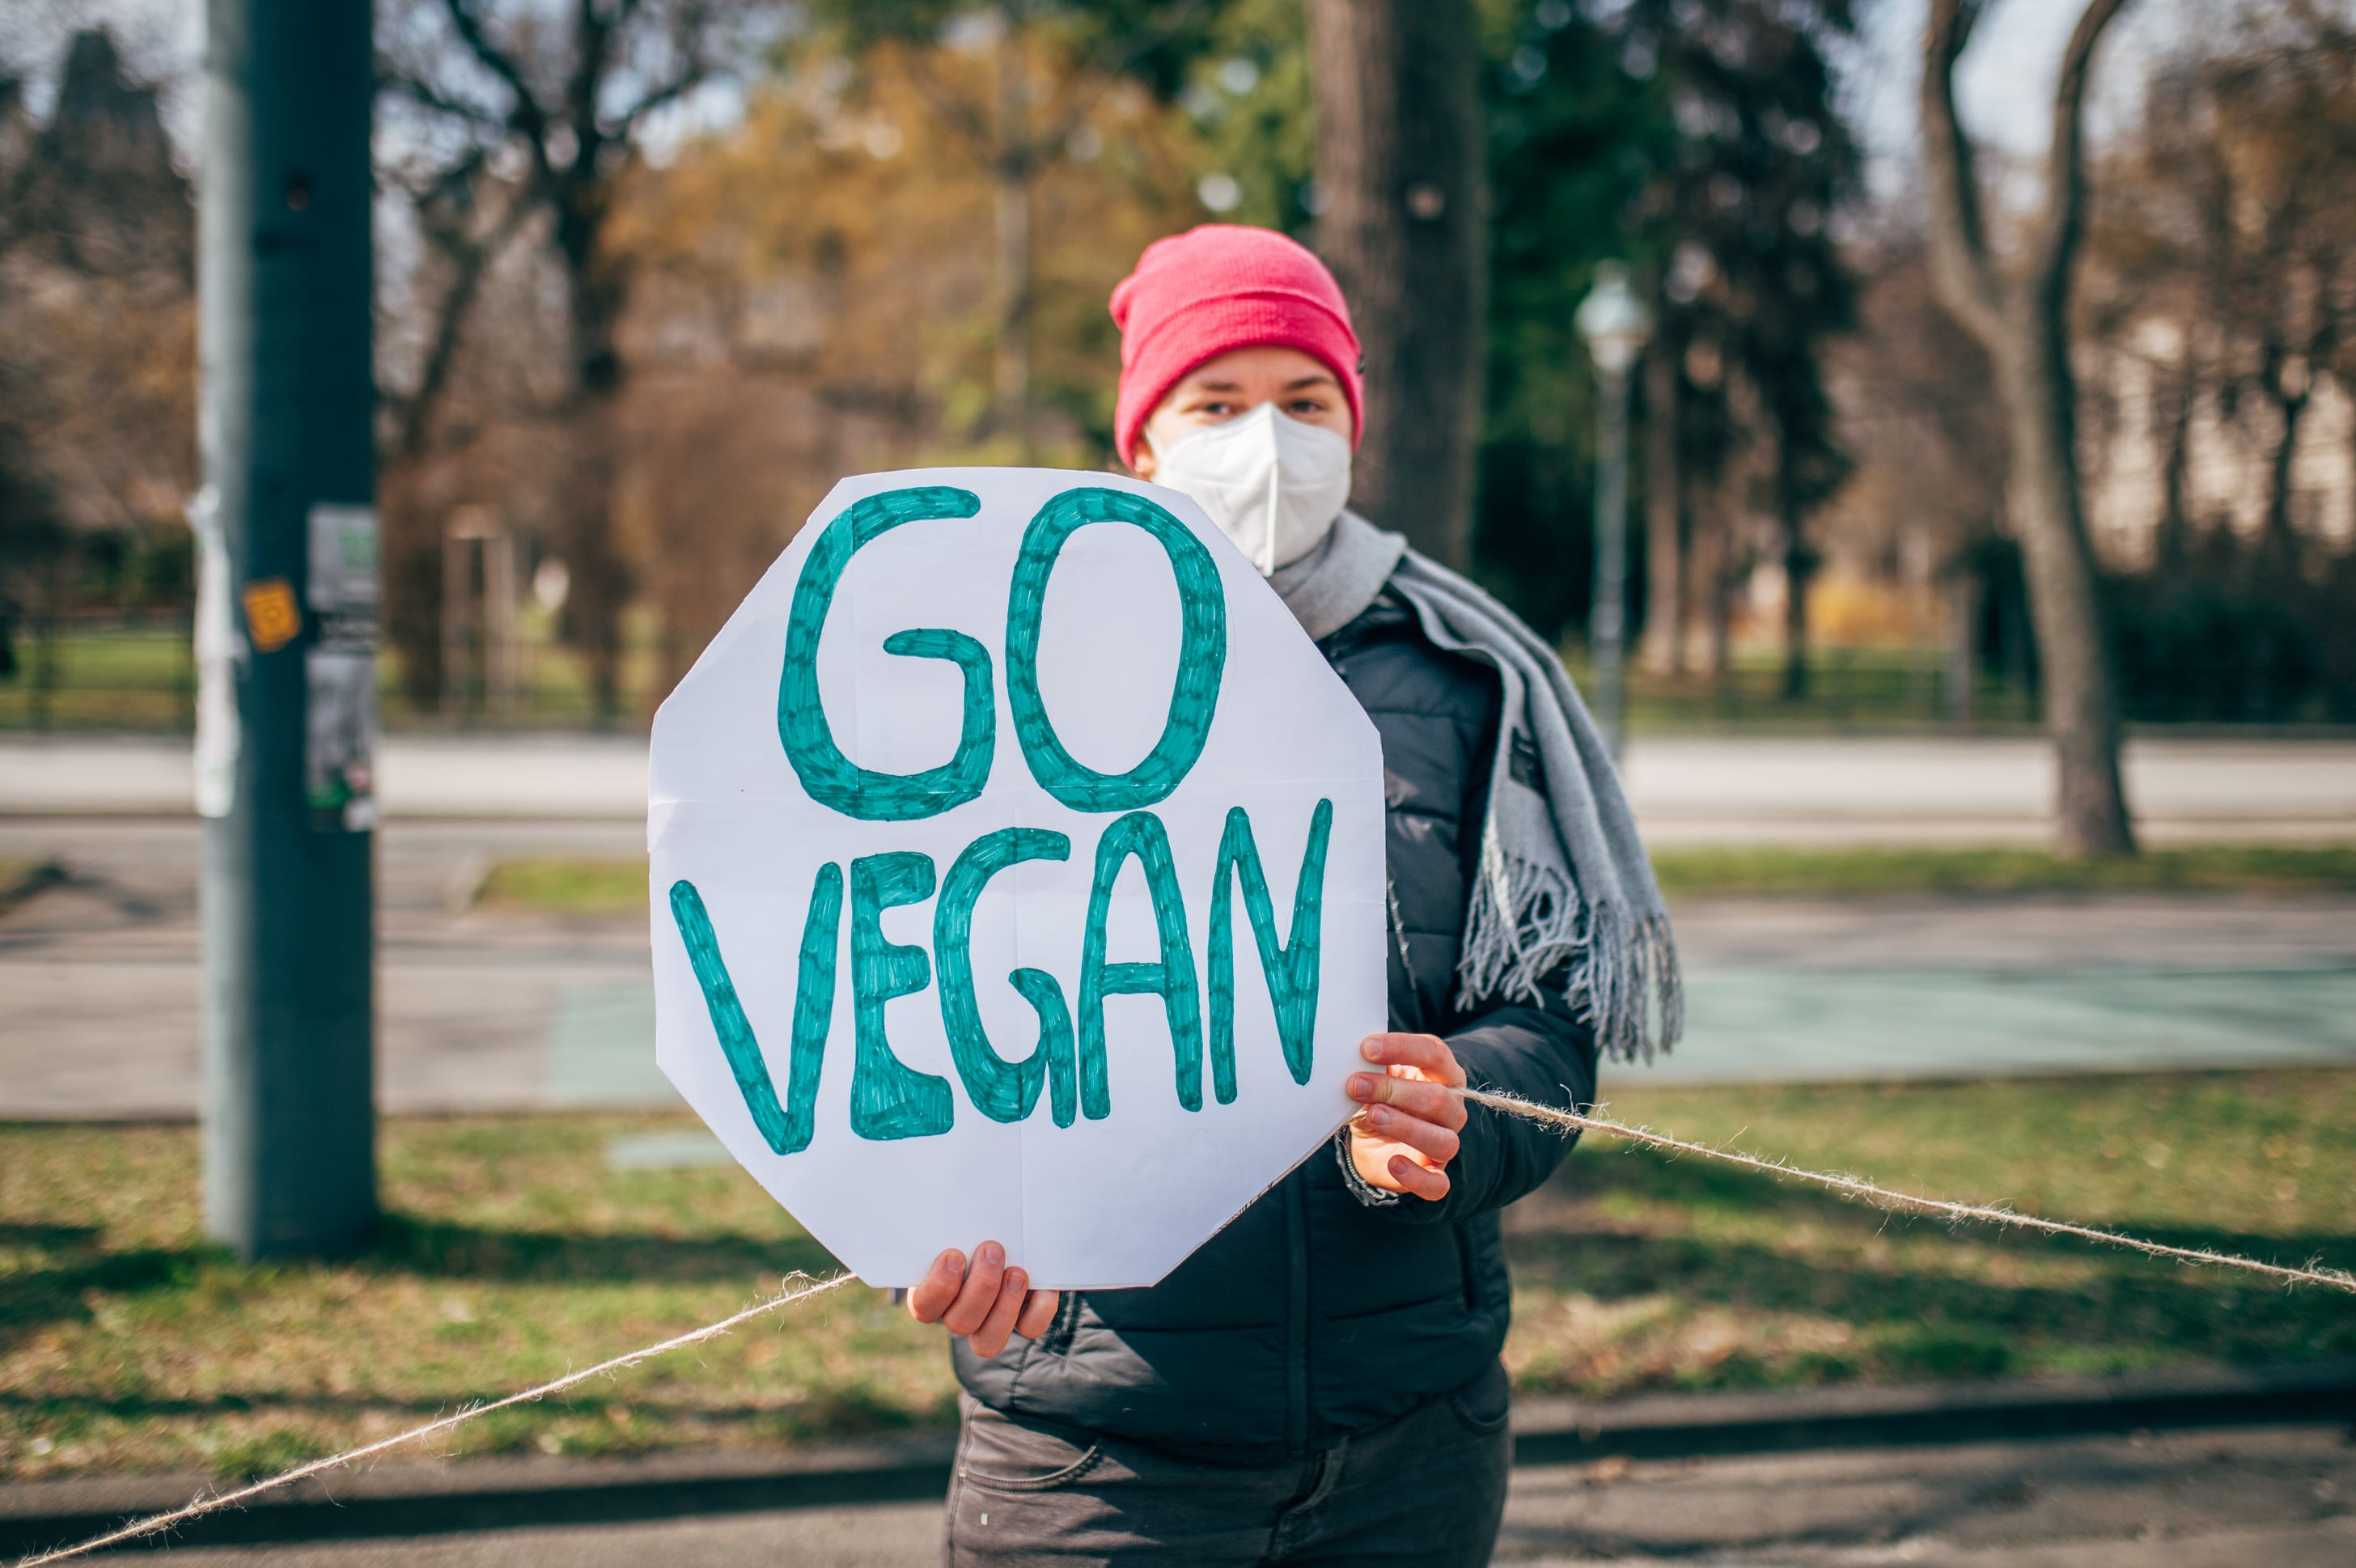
(1216, 288)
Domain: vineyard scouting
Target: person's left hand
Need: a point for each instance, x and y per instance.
(1405, 1137)
(989, 1302)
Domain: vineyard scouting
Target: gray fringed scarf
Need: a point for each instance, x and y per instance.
(1563, 875)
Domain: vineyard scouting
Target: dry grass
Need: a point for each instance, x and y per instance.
(513, 1254)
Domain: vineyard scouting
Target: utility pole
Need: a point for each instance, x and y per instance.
(286, 530)
(1616, 325)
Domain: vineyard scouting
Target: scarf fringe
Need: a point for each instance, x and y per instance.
(1528, 919)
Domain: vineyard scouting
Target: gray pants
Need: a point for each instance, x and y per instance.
(1427, 1488)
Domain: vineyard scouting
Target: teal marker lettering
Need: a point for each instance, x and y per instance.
(1001, 1090)
(833, 778)
(1290, 968)
(1202, 653)
(1139, 833)
(787, 1128)
(888, 1098)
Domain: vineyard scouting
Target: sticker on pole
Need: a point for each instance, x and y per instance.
(1017, 875)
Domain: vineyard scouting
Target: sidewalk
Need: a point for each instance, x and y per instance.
(1685, 788)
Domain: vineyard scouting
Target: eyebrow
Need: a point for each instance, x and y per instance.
(1322, 378)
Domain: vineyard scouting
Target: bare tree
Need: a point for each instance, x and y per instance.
(570, 102)
(2022, 319)
(467, 217)
(1664, 519)
(1910, 387)
(1400, 163)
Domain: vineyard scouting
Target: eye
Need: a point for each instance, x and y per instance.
(1218, 407)
(1308, 405)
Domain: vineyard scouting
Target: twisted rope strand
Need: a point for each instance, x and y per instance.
(1510, 1105)
(155, 1522)
(1868, 1192)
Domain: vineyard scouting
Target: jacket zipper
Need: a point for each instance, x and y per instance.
(1296, 1312)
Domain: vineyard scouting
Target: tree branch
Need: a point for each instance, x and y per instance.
(470, 263)
(694, 76)
(1960, 262)
(426, 96)
(527, 116)
(2055, 243)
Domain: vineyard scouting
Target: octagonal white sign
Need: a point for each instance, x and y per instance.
(1017, 874)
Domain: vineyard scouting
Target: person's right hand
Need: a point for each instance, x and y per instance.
(985, 1303)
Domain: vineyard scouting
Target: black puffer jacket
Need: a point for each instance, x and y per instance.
(1314, 1314)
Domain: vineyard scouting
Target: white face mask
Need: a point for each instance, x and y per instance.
(1271, 483)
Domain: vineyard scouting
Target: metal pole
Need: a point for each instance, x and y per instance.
(1607, 620)
(457, 592)
(289, 462)
(498, 622)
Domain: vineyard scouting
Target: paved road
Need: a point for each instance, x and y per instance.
(98, 981)
(98, 978)
(1685, 788)
(2279, 1496)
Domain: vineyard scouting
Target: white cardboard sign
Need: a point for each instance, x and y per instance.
(1017, 874)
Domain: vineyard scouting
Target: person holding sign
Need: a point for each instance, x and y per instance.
(1319, 1382)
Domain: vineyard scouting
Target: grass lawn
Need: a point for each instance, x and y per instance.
(513, 1253)
(143, 678)
(551, 885)
(619, 886)
(1862, 873)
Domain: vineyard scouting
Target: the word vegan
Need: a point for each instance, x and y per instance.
(888, 1098)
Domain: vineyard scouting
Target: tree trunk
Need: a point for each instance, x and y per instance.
(2065, 606)
(601, 580)
(1400, 164)
(600, 577)
(41, 691)
(2279, 536)
(2175, 533)
(2023, 322)
(1963, 643)
(1011, 201)
(1799, 571)
(1713, 569)
(1665, 563)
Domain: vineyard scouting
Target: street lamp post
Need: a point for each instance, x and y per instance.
(1616, 325)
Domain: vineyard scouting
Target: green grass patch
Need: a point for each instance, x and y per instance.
(1634, 1272)
(557, 887)
(511, 1254)
(143, 678)
(619, 886)
(1776, 872)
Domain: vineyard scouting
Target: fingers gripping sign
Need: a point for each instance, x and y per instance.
(1409, 1129)
(987, 1301)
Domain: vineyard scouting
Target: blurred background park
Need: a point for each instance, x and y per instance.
(644, 295)
(1993, 441)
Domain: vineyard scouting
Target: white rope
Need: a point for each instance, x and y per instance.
(1868, 1192)
(1510, 1105)
(200, 1506)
